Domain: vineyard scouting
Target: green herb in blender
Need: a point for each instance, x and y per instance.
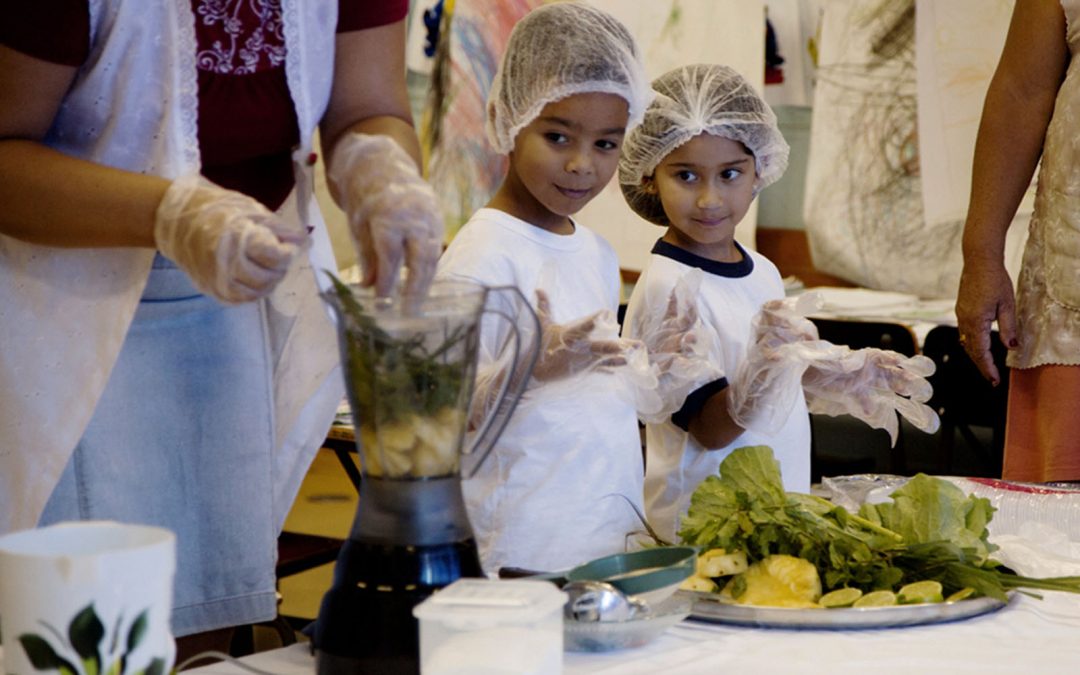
(405, 393)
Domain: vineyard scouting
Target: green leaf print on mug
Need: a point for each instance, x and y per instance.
(86, 635)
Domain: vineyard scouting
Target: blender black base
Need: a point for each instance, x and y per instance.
(366, 624)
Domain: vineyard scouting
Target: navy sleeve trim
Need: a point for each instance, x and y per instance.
(696, 401)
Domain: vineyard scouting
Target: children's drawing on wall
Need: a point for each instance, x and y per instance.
(460, 66)
(864, 216)
(954, 72)
(872, 217)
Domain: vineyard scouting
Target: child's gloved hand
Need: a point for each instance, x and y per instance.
(766, 386)
(233, 248)
(872, 385)
(575, 347)
(681, 348)
(784, 321)
(393, 212)
(671, 342)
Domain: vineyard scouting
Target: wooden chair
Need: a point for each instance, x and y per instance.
(964, 399)
(857, 335)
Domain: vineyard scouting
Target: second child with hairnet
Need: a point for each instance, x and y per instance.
(707, 146)
(562, 483)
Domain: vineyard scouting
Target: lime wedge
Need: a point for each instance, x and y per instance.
(962, 594)
(841, 597)
(876, 599)
(920, 592)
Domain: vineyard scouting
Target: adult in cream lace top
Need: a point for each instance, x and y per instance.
(1032, 112)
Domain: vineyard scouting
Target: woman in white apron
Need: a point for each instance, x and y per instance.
(189, 386)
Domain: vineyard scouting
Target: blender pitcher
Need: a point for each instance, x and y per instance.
(410, 371)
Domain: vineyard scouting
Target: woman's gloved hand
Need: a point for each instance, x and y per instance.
(232, 247)
(577, 347)
(872, 385)
(393, 212)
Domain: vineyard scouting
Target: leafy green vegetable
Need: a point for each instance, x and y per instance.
(930, 531)
(928, 509)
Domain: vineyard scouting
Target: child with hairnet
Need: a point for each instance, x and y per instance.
(707, 146)
(562, 483)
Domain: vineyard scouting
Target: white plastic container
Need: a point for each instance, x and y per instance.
(492, 627)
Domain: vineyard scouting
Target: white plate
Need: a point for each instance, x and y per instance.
(708, 607)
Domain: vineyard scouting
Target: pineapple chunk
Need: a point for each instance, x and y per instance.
(396, 463)
(437, 447)
(777, 581)
(395, 448)
(369, 447)
(430, 461)
(698, 583)
(719, 563)
(397, 436)
(451, 418)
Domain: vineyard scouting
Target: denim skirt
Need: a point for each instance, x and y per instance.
(183, 438)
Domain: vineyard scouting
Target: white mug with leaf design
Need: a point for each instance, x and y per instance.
(87, 598)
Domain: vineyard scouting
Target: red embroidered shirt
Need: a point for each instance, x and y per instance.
(247, 122)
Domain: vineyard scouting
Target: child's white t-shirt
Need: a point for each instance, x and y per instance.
(731, 295)
(547, 498)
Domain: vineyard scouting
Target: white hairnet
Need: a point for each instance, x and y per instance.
(556, 51)
(692, 100)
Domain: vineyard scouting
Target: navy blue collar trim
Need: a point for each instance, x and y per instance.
(721, 269)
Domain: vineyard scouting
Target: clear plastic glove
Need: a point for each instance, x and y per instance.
(232, 247)
(767, 384)
(393, 212)
(784, 321)
(577, 347)
(872, 385)
(681, 348)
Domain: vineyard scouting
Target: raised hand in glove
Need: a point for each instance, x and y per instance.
(393, 213)
(577, 346)
(784, 321)
(767, 384)
(684, 352)
(232, 247)
(671, 341)
(872, 385)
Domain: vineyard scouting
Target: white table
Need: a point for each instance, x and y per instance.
(1027, 636)
(865, 304)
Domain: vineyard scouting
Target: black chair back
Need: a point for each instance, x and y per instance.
(963, 398)
(859, 334)
(827, 461)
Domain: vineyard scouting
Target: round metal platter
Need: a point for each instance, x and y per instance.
(710, 608)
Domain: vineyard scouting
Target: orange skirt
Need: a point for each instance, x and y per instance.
(1042, 432)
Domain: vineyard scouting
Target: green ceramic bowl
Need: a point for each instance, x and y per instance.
(651, 574)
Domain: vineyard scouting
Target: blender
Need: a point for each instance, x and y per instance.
(410, 370)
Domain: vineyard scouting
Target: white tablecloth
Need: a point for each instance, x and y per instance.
(1027, 636)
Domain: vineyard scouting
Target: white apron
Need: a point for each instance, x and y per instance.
(65, 312)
